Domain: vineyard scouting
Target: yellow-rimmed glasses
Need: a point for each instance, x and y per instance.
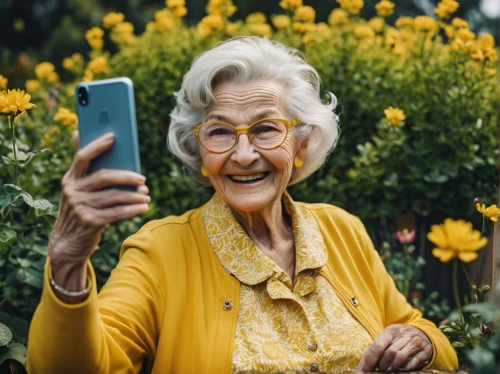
(267, 133)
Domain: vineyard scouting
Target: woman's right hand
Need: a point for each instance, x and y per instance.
(86, 208)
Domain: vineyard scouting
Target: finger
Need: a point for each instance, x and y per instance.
(102, 217)
(374, 352)
(76, 139)
(405, 354)
(107, 178)
(107, 198)
(86, 154)
(418, 360)
(143, 189)
(392, 355)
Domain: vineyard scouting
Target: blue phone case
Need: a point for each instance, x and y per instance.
(109, 107)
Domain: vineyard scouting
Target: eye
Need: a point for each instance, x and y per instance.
(219, 132)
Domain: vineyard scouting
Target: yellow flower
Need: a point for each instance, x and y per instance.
(255, 18)
(112, 19)
(449, 30)
(377, 24)
(399, 49)
(87, 75)
(260, 29)
(66, 117)
(44, 69)
(490, 212)
(446, 8)
(465, 34)
(68, 63)
(302, 27)
(180, 11)
(364, 32)
(123, 33)
(3, 82)
(53, 77)
(210, 23)
(460, 23)
(281, 21)
(338, 17)
(14, 102)
(164, 19)
(32, 85)
(392, 37)
(94, 37)
(490, 72)
(425, 23)
(352, 6)
(77, 57)
(220, 8)
(486, 41)
(405, 22)
(384, 8)
(394, 116)
(290, 4)
(233, 28)
(305, 14)
(455, 238)
(175, 3)
(98, 65)
(324, 30)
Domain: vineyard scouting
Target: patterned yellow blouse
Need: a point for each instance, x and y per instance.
(285, 328)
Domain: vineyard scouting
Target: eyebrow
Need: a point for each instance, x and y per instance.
(257, 115)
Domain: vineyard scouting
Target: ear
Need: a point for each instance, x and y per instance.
(301, 153)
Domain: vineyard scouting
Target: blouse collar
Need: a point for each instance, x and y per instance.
(239, 255)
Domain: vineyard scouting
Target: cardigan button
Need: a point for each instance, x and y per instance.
(354, 301)
(228, 305)
(312, 347)
(314, 367)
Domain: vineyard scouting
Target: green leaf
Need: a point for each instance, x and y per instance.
(6, 233)
(16, 191)
(31, 155)
(42, 207)
(15, 352)
(5, 335)
(31, 276)
(8, 161)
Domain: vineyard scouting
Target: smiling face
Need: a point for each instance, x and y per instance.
(246, 177)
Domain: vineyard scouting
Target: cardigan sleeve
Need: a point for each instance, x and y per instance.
(398, 311)
(113, 332)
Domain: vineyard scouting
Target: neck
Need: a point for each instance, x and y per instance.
(271, 230)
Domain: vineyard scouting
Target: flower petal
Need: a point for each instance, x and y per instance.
(444, 255)
(437, 236)
(467, 256)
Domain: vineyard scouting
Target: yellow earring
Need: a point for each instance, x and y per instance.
(298, 162)
(204, 171)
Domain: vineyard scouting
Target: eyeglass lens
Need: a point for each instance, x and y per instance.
(221, 137)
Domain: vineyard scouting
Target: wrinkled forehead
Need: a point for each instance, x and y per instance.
(249, 99)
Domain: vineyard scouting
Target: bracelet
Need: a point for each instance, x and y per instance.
(65, 292)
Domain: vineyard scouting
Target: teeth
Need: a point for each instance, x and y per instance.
(247, 177)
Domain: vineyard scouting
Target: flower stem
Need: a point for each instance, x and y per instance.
(482, 231)
(455, 286)
(466, 275)
(13, 134)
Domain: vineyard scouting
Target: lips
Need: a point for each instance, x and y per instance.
(248, 178)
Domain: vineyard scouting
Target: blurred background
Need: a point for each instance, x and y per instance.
(39, 30)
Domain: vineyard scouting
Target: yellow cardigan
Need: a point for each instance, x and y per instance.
(171, 307)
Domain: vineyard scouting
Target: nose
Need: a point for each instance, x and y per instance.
(244, 152)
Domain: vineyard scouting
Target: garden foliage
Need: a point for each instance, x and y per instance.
(417, 104)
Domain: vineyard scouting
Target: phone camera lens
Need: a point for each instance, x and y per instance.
(83, 95)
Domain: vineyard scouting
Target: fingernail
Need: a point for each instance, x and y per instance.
(142, 178)
(148, 198)
(108, 136)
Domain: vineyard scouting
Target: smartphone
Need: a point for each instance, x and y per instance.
(109, 106)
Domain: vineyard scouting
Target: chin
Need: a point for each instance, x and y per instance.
(248, 203)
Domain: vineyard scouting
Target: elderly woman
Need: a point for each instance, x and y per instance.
(252, 281)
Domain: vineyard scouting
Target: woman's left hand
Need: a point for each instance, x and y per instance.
(399, 347)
